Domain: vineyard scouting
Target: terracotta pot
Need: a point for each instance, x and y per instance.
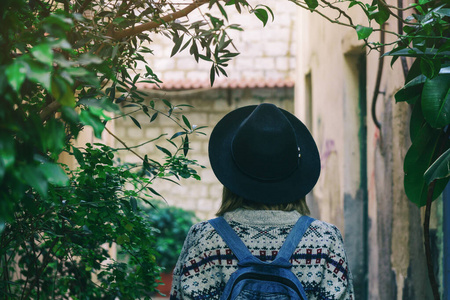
(164, 288)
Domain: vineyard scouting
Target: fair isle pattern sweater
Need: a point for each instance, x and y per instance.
(206, 263)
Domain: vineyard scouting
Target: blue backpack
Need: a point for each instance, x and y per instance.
(258, 280)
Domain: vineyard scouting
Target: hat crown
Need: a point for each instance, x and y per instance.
(265, 146)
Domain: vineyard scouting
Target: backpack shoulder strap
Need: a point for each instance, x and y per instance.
(294, 238)
(231, 239)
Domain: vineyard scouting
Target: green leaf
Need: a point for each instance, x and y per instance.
(155, 115)
(417, 161)
(87, 59)
(53, 137)
(430, 67)
(78, 155)
(99, 112)
(353, 3)
(415, 52)
(122, 239)
(178, 41)
(186, 121)
(103, 103)
(89, 119)
(222, 10)
(381, 15)
(416, 121)
(77, 72)
(411, 91)
(60, 20)
(7, 150)
(154, 192)
(436, 101)
(439, 169)
(194, 50)
(177, 134)
(212, 75)
(312, 4)
(262, 15)
(54, 174)
(70, 115)
(133, 204)
(414, 70)
(135, 122)
(167, 103)
(2, 171)
(43, 53)
(2, 226)
(62, 92)
(186, 145)
(16, 74)
(39, 73)
(363, 32)
(167, 152)
(33, 177)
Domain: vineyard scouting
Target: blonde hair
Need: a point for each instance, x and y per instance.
(231, 202)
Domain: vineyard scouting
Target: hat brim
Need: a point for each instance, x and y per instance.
(290, 189)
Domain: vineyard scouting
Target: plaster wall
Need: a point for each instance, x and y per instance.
(326, 88)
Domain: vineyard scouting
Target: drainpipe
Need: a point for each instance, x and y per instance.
(446, 284)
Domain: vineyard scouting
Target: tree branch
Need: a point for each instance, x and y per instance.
(341, 12)
(49, 110)
(154, 24)
(383, 3)
(123, 143)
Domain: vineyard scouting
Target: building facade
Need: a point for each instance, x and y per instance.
(344, 92)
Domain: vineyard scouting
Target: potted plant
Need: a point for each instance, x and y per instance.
(172, 225)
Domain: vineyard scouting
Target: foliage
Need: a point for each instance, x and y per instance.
(172, 224)
(66, 65)
(427, 88)
(64, 238)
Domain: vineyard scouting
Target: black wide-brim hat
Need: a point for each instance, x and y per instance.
(264, 154)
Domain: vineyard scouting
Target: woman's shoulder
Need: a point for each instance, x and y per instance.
(199, 229)
(324, 231)
(199, 233)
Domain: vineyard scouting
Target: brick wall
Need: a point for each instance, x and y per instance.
(209, 107)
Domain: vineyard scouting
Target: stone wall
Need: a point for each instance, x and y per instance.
(209, 107)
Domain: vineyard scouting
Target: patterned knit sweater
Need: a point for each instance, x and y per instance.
(206, 263)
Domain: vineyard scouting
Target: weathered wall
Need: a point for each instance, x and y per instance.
(363, 196)
(209, 107)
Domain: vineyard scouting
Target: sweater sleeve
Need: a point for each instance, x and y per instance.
(337, 279)
(176, 291)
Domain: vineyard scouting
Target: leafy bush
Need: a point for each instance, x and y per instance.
(173, 225)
